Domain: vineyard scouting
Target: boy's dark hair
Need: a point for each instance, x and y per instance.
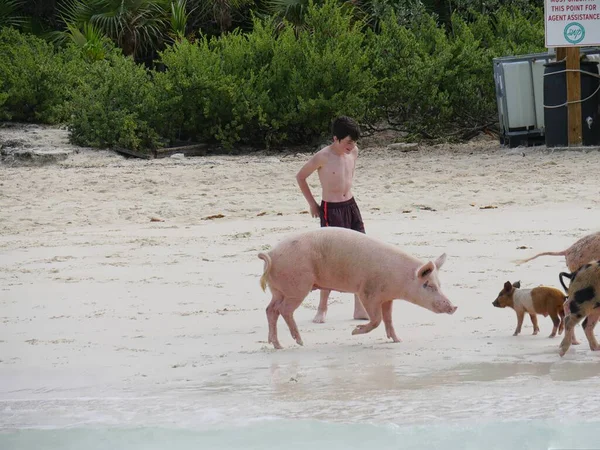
(345, 126)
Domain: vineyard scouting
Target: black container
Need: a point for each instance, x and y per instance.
(555, 93)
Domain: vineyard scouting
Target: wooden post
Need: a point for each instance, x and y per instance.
(574, 96)
(561, 53)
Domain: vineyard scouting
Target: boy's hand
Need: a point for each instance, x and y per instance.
(315, 210)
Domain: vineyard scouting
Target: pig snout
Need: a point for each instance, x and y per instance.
(444, 307)
(495, 303)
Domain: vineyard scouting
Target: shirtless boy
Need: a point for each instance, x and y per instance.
(335, 165)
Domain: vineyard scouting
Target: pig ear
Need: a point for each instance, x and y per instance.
(507, 286)
(425, 270)
(440, 261)
(517, 284)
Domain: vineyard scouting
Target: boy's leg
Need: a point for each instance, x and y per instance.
(360, 313)
(359, 310)
(322, 309)
(357, 224)
(340, 217)
(324, 294)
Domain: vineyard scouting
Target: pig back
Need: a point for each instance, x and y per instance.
(336, 254)
(583, 251)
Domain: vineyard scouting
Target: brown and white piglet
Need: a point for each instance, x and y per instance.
(543, 300)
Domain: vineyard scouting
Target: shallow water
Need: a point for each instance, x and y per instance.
(291, 434)
(464, 406)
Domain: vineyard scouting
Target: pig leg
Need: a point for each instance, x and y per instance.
(520, 317)
(557, 322)
(373, 308)
(287, 308)
(574, 340)
(386, 310)
(588, 325)
(566, 311)
(571, 322)
(272, 316)
(561, 316)
(322, 309)
(536, 328)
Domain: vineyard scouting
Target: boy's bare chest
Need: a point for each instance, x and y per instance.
(339, 169)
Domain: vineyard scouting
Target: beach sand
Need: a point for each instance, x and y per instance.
(109, 317)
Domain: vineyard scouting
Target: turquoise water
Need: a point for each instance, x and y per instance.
(315, 435)
(286, 407)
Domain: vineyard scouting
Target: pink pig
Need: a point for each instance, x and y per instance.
(346, 261)
(583, 251)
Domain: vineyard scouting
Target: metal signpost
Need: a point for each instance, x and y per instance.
(571, 24)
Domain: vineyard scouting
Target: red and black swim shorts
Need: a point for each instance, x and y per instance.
(341, 214)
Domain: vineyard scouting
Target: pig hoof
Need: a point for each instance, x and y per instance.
(358, 330)
(393, 337)
(575, 343)
(535, 333)
(358, 316)
(562, 352)
(552, 335)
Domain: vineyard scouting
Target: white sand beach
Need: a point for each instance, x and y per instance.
(108, 317)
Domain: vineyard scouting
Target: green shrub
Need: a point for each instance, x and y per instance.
(327, 75)
(31, 79)
(435, 83)
(510, 31)
(410, 71)
(277, 84)
(197, 99)
(267, 87)
(113, 105)
(467, 79)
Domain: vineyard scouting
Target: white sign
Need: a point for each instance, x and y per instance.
(572, 23)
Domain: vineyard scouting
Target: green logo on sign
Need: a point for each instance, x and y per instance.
(574, 33)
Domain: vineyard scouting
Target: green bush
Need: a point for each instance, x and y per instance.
(438, 83)
(467, 79)
(113, 105)
(32, 83)
(277, 84)
(510, 31)
(267, 87)
(410, 69)
(197, 99)
(323, 73)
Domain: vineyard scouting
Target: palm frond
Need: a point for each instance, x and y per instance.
(132, 24)
(10, 13)
(290, 12)
(179, 18)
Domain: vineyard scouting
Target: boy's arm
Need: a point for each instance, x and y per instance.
(311, 165)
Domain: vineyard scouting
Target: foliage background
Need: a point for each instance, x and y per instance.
(142, 74)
